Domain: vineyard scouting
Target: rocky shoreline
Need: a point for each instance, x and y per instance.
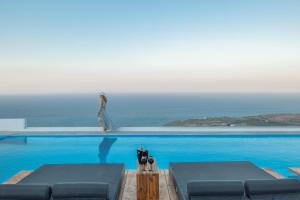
(258, 120)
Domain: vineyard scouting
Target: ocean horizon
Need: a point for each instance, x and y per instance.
(71, 110)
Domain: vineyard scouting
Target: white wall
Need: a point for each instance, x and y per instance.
(12, 124)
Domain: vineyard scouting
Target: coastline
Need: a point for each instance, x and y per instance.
(265, 120)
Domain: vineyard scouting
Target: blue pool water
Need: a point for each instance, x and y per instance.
(21, 152)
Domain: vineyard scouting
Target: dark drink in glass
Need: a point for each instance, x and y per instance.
(151, 161)
(140, 154)
(143, 162)
(145, 153)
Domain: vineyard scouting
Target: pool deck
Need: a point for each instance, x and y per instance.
(295, 170)
(151, 130)
(128, 190)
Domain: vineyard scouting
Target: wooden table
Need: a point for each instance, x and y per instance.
(147, 183)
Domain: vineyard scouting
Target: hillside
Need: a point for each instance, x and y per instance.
(259, 120)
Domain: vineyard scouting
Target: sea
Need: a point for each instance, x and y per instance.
(131, 110)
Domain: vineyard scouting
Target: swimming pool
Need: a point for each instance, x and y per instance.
(28, 152)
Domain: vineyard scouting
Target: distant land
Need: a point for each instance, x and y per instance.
(259, 120)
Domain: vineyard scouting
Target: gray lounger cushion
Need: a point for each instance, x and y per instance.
(79, 173)
(78, 191)
(215, 188)
(185, 172)
(284, 189)
(24, 192)
(218, 198)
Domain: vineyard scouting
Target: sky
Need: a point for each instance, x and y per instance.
(86, 46)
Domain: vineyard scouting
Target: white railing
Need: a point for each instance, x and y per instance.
(19, 125)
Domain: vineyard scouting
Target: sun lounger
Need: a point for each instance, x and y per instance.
(215, 190)
(24, 192)
(69, 181)
(283, 189)
(225, 180)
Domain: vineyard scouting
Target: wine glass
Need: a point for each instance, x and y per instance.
(139, 155)
(150, 161)
(144, 161)
(145, 153)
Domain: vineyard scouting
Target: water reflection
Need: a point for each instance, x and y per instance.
(13, 140)
(104, 148)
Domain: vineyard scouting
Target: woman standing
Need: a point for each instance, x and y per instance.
(103, 118)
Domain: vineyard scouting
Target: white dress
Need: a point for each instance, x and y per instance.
(103, 118)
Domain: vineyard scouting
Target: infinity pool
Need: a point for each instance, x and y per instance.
(28, 152)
